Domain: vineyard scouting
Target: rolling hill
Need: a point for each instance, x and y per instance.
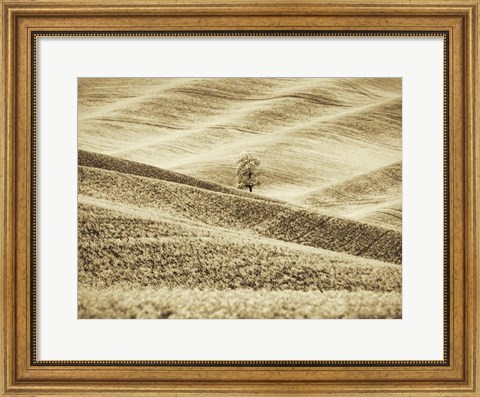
(272, 220)
(96, 160)
(162, 240)
(325, 130)
(374, 197)
(164, 233)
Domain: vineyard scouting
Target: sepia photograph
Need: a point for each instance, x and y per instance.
(240, 198)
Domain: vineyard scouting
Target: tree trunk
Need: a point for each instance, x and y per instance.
(250, 184)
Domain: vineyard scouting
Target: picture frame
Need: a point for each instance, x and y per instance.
(22, 21)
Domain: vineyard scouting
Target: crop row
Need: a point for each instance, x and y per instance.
(120, 249)
(267, 219)
(121, 302)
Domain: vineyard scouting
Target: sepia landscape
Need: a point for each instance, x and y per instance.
(239, 198)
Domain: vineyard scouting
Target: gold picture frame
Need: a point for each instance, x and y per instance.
(23, 21)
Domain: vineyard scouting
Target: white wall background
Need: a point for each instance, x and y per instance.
(418, 336)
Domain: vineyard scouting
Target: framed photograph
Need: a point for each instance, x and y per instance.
(206, 198)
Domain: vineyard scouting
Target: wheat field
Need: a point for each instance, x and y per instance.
(164, 232)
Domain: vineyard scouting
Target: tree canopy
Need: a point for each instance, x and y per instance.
(248, 166)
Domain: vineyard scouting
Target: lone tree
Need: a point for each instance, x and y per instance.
(247, 171)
